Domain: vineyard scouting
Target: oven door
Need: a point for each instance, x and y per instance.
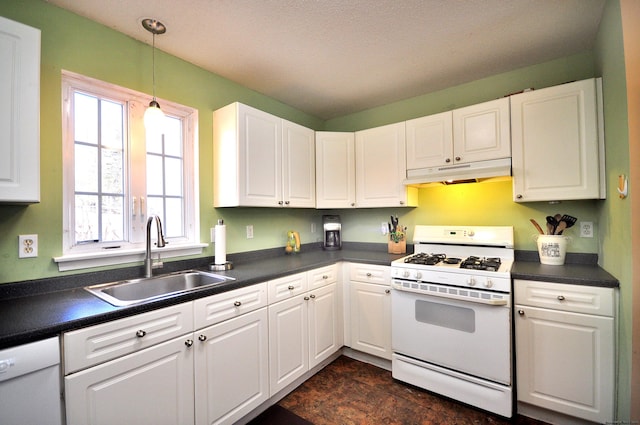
(469, 337)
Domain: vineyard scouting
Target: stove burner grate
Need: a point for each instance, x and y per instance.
(476, 263)
(425, 259)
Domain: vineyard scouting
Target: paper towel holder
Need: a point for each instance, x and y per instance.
(225, 265)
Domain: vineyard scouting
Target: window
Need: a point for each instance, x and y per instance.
(116, 175)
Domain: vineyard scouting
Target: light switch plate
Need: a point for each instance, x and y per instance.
(27, 246)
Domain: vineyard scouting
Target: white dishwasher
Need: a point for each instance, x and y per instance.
(30, 384)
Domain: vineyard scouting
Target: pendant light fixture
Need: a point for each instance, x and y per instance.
(153, 116)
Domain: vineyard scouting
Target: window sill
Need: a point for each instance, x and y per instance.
(114, 257)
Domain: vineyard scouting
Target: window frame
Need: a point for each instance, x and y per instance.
(75, 256)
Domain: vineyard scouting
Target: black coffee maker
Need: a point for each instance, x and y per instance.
(332, 229)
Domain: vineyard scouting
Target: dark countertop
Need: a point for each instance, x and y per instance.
(34, 310)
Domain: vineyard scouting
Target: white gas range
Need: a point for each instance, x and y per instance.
(451, 314)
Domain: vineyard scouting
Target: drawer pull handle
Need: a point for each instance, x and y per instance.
(202, 338)
(560, 297)
(521, 312)
(325, 276)
(368, 274)
(291, 287)
(188, 342)
(141, 333)
(387, 291)
(237, 303)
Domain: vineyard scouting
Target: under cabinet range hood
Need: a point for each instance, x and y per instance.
(470, 171)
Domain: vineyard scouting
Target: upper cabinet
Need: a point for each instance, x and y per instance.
(558, 143)
(471, 134)
(261, 160)
(19, 112)
(381, 167)
(335, 170)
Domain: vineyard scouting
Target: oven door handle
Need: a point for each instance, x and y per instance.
(492, 302)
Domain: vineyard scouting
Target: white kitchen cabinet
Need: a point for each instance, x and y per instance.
(474, 133)
(261, 160)
(19, 112)
(304, 328)
(565, 350)
(370, 305)
(152, 386)
(381, 168)
(558, 143)
(335, 170)
(232, 368)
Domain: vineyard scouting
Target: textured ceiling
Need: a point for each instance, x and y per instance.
(330, 58)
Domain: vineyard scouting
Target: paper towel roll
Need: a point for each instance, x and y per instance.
(221, 244)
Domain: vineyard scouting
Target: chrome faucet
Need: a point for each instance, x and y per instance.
(160, 243)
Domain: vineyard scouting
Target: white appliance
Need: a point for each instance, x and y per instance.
(30, 384)
(451, 315)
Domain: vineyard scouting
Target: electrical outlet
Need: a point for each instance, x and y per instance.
(27, 246)
(384, 228)
(250, 231)
(313, 227)
(586, 229)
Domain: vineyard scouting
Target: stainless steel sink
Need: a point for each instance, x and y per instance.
(135, 291)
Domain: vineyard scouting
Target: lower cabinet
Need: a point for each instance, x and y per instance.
(231, 364)
(152, 386)
(370, 304)
(303, 331)
(565, 349)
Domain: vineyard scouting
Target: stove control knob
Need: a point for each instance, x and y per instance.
(471, 281)
(418, 275)
(405, 273)
(488, 283)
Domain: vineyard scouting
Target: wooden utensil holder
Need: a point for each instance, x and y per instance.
(398, 247)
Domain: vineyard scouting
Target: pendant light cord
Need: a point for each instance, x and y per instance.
(153, 63)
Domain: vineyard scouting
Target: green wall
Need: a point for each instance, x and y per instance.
(614, 215)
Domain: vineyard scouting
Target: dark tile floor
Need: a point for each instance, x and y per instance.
(350, 392)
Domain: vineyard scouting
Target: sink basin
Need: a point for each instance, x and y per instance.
(135, 291)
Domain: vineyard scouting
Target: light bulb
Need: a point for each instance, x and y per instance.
(154, 118)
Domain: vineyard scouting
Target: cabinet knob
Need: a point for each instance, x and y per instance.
(519, 196)
(286, 202)
(188, 342)
(458, 158)
(353, 204)
(312, 296)
(401, 202)
(325, 277)
(560, 297)
(237, 303)
(521, 312)
(141, 333)
(279, 202)
(306, 298)
(291, 287)
(368, 274)
(448, 160)
(202, 338)
(387, 291)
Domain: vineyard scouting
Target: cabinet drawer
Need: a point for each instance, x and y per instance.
(219, 307)
(370, 273)
(96, 344)
(559, 296)
(322, 276)
(287, 287)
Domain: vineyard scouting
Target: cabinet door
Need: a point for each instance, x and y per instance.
(430, 141)
(556, 143)
(324, 324)
(152, 386)
(565, 362)
(335, 170)
(231, 364)
(482, 132)
(19, 112)
(288, 342)
(371, 319)
(299, 166)
(381, 168)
